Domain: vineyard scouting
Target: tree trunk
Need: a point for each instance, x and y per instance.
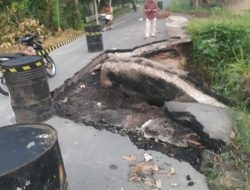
(195, 3)
(76, 12)
(50, 14)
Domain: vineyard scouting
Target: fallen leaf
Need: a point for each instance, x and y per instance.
(129, 158)
(143, 170)
(150, 183)
(194, 142)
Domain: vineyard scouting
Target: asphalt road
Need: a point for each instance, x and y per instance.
(128, 32)
(92, 158)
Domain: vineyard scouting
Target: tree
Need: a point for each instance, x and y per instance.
(205, 3)
(76, 13)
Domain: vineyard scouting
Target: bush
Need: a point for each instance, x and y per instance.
(7, 27)
(221, 46)
(13, 32)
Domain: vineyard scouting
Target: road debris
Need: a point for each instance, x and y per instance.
(172, 171)
(144, 172)
(174, 184)
(32, 143)
(158, 183)
(44, 136)
(99, 104)
(188, 177)
(82, 86)
(147, 157)
(191, 183)
(65, 100)
(129, 157)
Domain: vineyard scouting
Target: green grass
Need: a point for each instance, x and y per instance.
(233, 160)
(243, 128)
(221, 47)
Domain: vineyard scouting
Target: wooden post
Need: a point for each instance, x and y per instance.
(96, 12)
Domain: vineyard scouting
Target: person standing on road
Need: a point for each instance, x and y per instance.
(150, 10)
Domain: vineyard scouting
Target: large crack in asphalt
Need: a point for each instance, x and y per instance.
(122, 112)
(103, 108)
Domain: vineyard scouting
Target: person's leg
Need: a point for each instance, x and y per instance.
(147, 28)
(153, 27)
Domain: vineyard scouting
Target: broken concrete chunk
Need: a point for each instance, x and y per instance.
(163, 130)
(151, 81)
(216, 122)
(147, 157)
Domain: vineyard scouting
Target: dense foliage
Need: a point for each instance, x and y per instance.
(221, 46)
(51, 15)
(221, 51)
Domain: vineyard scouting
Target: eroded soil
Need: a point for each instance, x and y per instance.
(110, 109)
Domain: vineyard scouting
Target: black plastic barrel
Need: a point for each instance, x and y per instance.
(94, 38)
(26, 79)
(30, 158)
(160, 5)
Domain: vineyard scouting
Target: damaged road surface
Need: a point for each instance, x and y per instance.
(126, 105)
(99, 160)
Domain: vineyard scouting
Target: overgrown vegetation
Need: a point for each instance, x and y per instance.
(221, 52)
(221, 46)
(46, 18)
(211, 8)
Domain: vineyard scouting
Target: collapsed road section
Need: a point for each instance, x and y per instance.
(131, 93)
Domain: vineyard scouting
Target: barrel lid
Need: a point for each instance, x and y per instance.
(11, 55)
(21, 144)
(22, 61)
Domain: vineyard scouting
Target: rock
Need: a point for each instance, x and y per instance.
(162, 130)
(132, 121)
(216, 122)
